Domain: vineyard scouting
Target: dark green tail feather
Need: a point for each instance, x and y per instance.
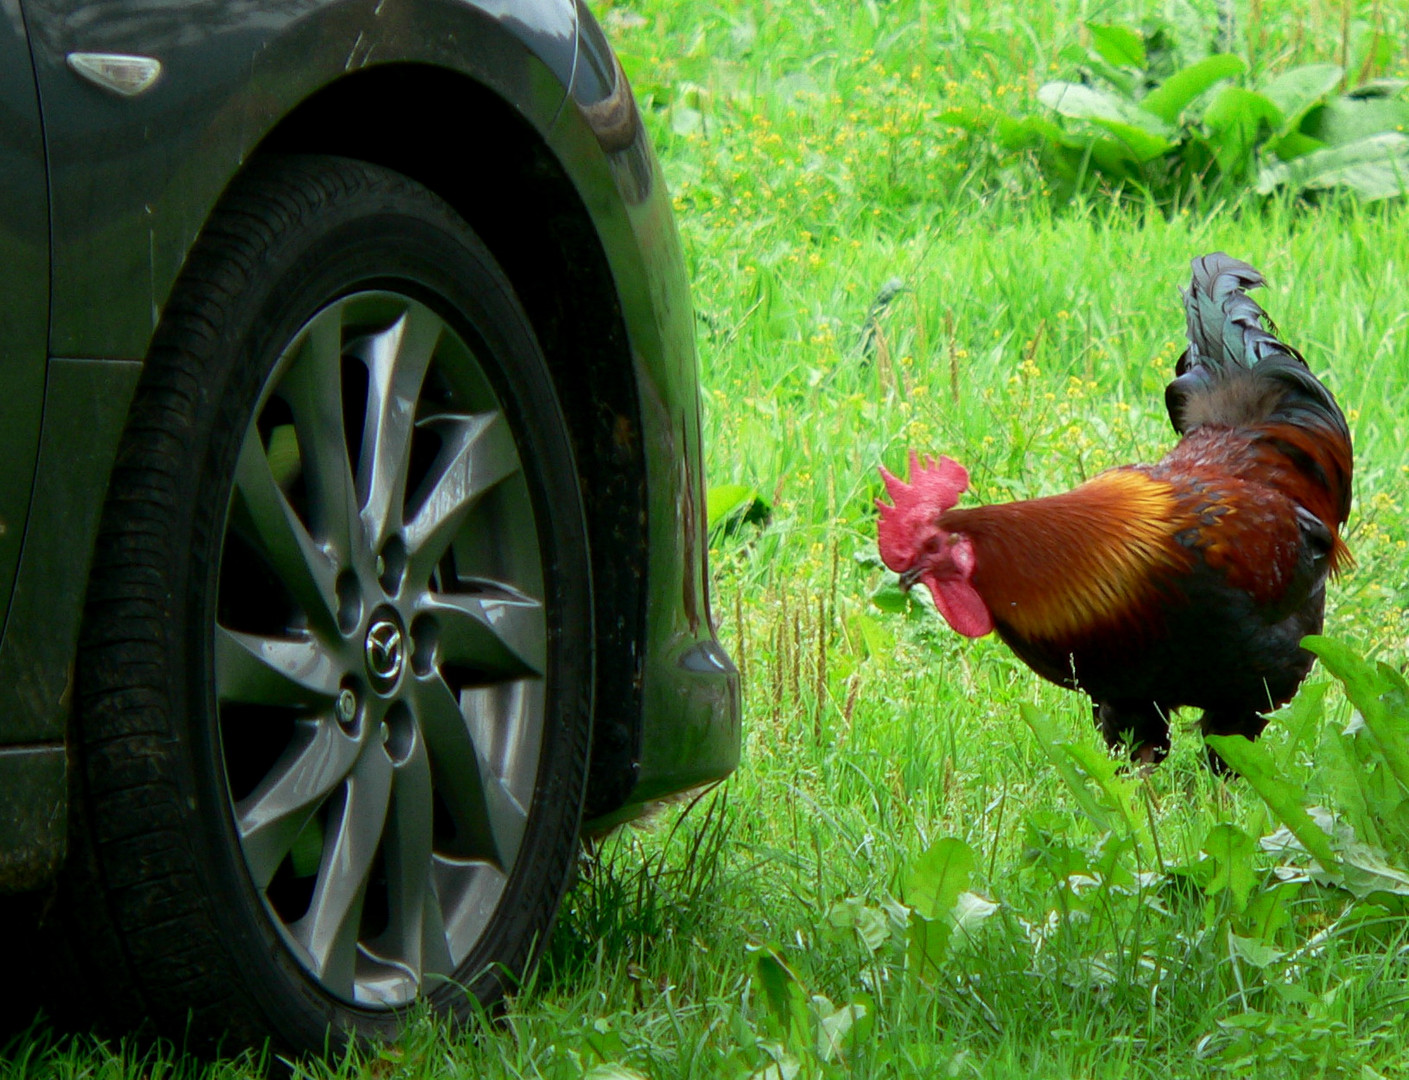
(1225, 325)
(1231, 339)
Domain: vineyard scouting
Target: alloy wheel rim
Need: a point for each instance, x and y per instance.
(379, 649)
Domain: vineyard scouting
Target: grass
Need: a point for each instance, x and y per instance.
(1121, 928)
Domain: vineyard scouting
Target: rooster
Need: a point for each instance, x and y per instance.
(1190, 582)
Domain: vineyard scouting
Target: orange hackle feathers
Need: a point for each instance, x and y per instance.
(1088, 558)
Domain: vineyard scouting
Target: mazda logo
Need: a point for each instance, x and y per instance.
(386, 653)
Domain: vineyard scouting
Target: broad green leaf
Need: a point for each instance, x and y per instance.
(1302, 720)
(1173, 96)
(1047, 847)
(723, 501)
(783, 997)
(604, 1037)
(1237, 120)
(1294, 145)
(1232, 852)
(926, 941)
(1114, 158)
(971, 911)
(1345, 120)
(1042, 728)
(853, 915)
(1374, 168)
(1030, 131)
(1395, 824)
(837, 1027)
(1368, 870)
(890, 597)
(1254, 763)
(1120, 791)
(1235, 105)
(1122, 78)
(1011, 133)
(1087, 103)
(1379, 88)
(1141, 135)
(1254, 951)
(1295, 91)
(1396, 680)
(934, 881)
(1142, 146)
(686, 121)
(1267, 913)
(612, 1070)
(1348, 772)
(877, 639)
(1118, 45)
(1379, 698)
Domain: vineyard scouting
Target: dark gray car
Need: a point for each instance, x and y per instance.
(351, 538)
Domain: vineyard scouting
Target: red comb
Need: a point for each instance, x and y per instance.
(903, 528)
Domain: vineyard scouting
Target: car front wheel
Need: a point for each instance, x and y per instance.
(335, 679)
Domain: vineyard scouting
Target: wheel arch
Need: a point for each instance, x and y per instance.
(528, 212)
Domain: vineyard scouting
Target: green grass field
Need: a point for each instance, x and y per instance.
(797, 922)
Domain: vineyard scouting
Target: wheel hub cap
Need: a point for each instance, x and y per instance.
(385, 651)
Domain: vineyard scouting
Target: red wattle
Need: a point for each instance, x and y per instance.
(961, 606)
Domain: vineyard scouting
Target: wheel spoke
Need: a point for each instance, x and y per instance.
(312, 386)
(415, 934)
(489, 821)
(258, 670)
(263, 517)
(436, 958)
(506, 723)
(271, 817)
(503, 636)
(328, 931)
(397, 360)
(477, 452)
(467, 892)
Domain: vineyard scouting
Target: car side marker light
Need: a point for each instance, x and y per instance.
(124, 75)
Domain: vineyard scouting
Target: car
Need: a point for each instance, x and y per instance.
(352, 539)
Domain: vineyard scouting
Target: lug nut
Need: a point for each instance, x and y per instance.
(347, 706)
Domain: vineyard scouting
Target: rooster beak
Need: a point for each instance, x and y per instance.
(908, 579)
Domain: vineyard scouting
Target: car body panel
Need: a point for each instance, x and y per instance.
(132, 181)
(86, 405)
(33, 815)
(24, 302)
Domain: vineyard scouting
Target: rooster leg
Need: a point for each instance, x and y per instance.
(1139, 727)
(1246, 723)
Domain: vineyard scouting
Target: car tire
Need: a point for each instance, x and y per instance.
(335, 677)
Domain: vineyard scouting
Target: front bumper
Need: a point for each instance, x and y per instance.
(689, 726)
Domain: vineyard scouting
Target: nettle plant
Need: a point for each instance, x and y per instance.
(1142, 115)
